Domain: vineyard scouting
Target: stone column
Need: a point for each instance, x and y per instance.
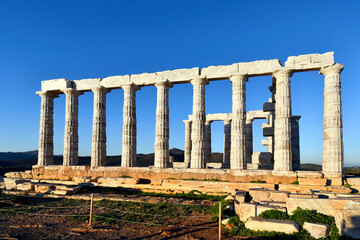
(46, 133)
(333, 148)
(295, 142)
(249, 140)
(128, 158)
(161, 158)
(282, 128)
(208, 141)
(187, 148)
(71, 136)
(237, 153)
(198, 123)
(227, 143)
(98, 146)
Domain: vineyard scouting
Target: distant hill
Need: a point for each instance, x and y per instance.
(18, 155)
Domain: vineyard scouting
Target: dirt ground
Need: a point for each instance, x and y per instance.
(40, 227)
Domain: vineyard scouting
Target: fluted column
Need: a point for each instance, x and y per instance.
(249, 140)
(128, 158)
(187, 148)
(282, 128)
(98, 146)
(161, 158)
(198, 123)
(295, 142)
(333, 148)
(46, 133)
(238, 151)
(71, 136)
(227, 143)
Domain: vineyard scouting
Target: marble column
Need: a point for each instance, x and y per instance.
(238, 151)
(71, 136)
(198, 123)
(98, 146)
(208, 141)
(161, 158)
(128, 158)
(295, 142)
(333, 148)
(282, 128)
(187, 148)
(227, 143)
(249, 140)
(46, 133)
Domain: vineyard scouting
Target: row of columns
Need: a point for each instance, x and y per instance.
(332, 147)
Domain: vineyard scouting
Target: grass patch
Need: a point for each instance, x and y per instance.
(125, 176)
(300, 216)
(257, 181)
(295, 182)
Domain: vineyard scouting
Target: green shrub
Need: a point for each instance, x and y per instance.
(274, 214)
(125, 176)
(295, 182)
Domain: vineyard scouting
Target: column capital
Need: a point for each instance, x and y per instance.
(187, 121)
(283, 72)
(200, 80)
(47, 94)
(164, 83)
(240, 76)
(68, 91)
(100, 88)
(335, 68)
(130, 86)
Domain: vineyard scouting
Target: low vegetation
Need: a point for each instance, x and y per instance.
(300, 216)
(257, 181)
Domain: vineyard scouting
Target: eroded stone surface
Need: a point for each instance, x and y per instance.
(347, 219)
(317, 230)
(260, 224)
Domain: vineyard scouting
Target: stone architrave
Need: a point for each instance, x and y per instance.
(162, 125)
(208, 141)
(282, 131)
(249, 140)
(238, 151)
(295, 142)
(71, 136)
(198, 123)
(187, 148)
(98, 147)
(333, 149)
(128, 158)
(227, 143)
(46, 133)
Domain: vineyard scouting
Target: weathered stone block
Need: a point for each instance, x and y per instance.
(43, 188)
(216, 72)
(347, 219)
(246, 210)
(27, 186)
(261, 67)
(178, 75)
(10, 183)
(339, 189)
(325, 206)
(258, 195)
(260, 224)
(115, 81)
(353, 180)
(310, 61)
(55, 84)
(312, 181)
(309, 174)
(143, 78)
(317, 230)
(87, 84)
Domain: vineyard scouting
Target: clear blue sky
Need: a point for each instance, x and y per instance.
(42, 40)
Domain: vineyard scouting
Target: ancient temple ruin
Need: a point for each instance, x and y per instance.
(281, 129)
